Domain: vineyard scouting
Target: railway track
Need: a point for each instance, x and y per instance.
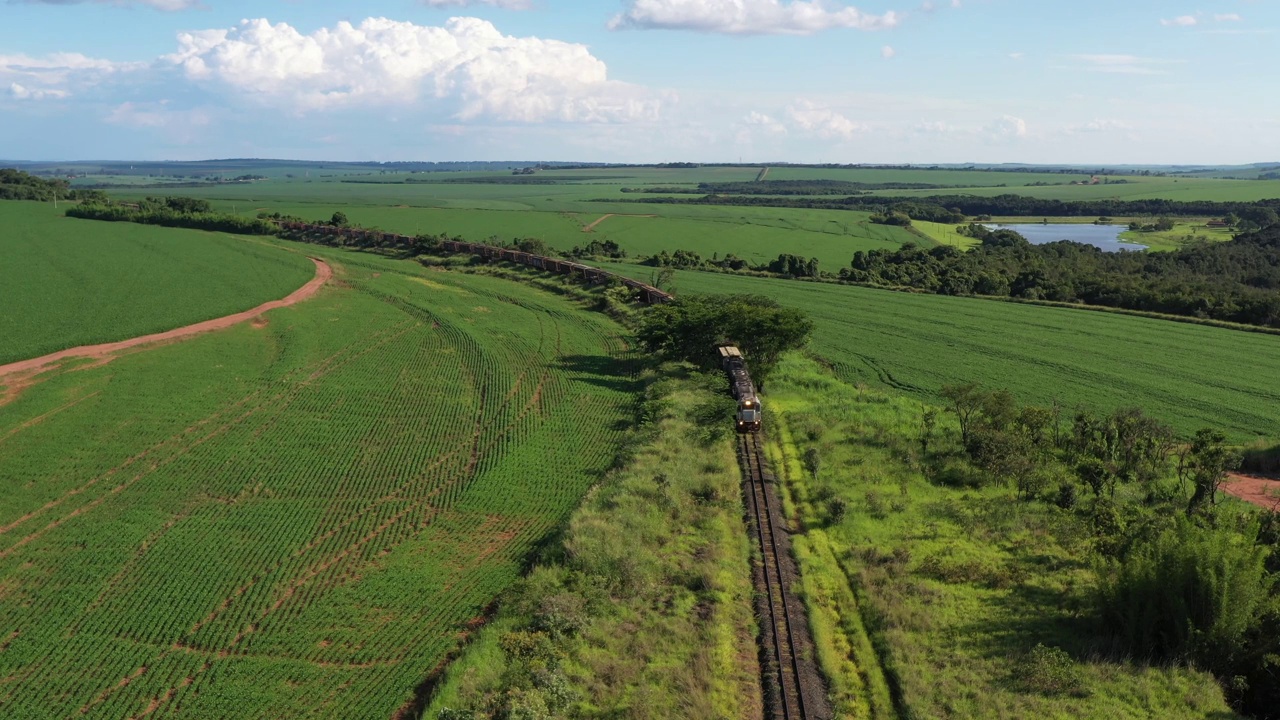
(793, 687)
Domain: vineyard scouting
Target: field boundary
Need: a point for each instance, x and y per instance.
(106, 350)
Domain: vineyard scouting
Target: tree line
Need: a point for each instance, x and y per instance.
(1262, 212)
(1235, 281)
(181, 212)
(18, 185)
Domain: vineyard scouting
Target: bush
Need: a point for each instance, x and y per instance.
(1189, 593)
(1049, 670)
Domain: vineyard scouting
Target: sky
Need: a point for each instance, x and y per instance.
(1099, 82)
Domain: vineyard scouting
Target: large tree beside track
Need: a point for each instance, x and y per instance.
(690, 328)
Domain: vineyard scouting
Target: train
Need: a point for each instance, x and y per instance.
(647, 294)
(748, 415)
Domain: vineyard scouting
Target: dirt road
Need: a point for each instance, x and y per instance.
(106, 350)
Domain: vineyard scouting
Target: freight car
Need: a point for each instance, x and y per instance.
(648, 294)
(744, 391)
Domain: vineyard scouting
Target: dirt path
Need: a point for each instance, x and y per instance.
(1259, 490)
(105, 351)
(592, 226)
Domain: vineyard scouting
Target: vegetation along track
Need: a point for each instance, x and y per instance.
(793, 687)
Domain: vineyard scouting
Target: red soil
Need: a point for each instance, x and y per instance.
(1256, 489)
(106, 350)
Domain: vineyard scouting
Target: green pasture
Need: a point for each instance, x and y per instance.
(298, 519)
(1190, 376)
(71, 282)
(946, 591)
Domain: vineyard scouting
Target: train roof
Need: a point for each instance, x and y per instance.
(727, 351)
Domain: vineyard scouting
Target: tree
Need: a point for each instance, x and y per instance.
(339, 219)
(966, 403)
(812, 462)
(928, 422)
(690, 327)
(1207, 463)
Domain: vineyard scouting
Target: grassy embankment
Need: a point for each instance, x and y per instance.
(934, 599)
(644, 608)
(1190, 376)
(298, 517)
(78, 282)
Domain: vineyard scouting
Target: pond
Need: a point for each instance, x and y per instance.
(1106, 237)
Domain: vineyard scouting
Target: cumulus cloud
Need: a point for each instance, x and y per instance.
(504, 4)
(168, 5)
(1181, 21)
(1006, 128)
(748, 17)
(822, 121)
(887, 52)
(765, 122)
(467, 66)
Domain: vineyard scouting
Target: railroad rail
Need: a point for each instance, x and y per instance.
(793, 686)
(363, 237)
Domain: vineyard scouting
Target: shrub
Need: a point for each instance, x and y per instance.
(1188, 593)
(1049, 670)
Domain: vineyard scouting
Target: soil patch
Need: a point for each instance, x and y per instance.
(108, 350)
(1260, 490)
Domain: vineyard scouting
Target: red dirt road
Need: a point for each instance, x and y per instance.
(105, 351)
(1256, 489)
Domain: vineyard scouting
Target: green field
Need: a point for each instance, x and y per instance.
(75, 282)
(946, 590)
(1191, 376)
(301, 518)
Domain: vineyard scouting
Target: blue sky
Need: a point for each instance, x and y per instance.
(1061, 81)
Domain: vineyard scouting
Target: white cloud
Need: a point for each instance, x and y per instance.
(1122, 64)
(56, 75)
(156, 115)
(887, 52)
(167, 5)
(21, 92)
(504, 4)
(822, 121)
(1017, 55)
(765, 122)
(467, 66)
(1006, 128)
(748, 17)
(1181, 21)
(1227, 17)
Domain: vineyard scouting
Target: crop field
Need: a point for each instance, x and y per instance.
(299, 517)
(1191, 376)
(74, 282)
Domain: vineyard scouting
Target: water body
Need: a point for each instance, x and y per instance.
(1106, 237)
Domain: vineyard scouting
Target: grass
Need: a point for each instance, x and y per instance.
(1190, 376)
(75, 282)
(298, 519)
(1182, 234)
(655, 566)
(968, 602)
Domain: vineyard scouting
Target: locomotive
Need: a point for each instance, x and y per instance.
(744, 391)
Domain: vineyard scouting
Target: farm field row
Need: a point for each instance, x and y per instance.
(75, 282)
(300, 517)
(1190, 376)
